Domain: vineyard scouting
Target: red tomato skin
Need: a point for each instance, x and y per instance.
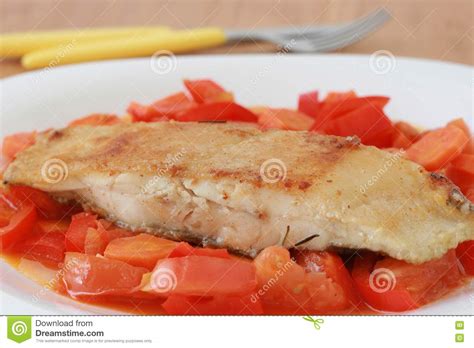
(308, 103)
(141, 250)
(287, 119)
(15, 143)
(87, 275)
(77, 231)
(46, 206)
(164, 109)
(221, 276)
(21, 224)
(391, 300)
(47, 248)
(465, 254)
(205, 91)
(185, 249)
(218, 111)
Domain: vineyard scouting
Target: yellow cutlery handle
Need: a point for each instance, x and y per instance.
(17, 44)
(141, 46)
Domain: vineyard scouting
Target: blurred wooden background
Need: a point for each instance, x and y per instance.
(437, 29)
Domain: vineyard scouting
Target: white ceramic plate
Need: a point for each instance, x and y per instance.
(426, 93)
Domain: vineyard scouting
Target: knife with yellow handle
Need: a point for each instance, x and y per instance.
(126, 47)
(18, 44)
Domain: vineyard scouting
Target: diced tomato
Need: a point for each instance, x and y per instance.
(288, 288)
(203, 276)
(47, 248)
(95, 242)
(77, 231)
(338, 96)
(142, 250)
(185, 249)
(20, 225)
(469, 149)
(91, 275)
(46, 206)
(96, 120)
(15, 143)
(111, 231)
(437, 148)
(400, 141)
(166, 108)
(463, 179)
(218, 111)
(461, 124)
(7, 209)
(393, 285)
(45, 226)
(331, 264)
(410, 132)
(308, 103)
(465, 254)
(286, 119)
(369, 123)
(205, 91)
(465, 163)
(339, 108)
(219, 305)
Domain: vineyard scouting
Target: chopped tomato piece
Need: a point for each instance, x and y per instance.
(344, 106)
(20, 225)
(77, 231)
(437, 148)
(92, 275)
(15, 143)
(205, 91)
(218, 305)
(463, 179)
(393, 285)
(47, 207)
(308, 103)
(47, 248)
(185, 249)
(400, 141)
(465, 163)
(96, 120)
(369, 123)
(7, 209)
(406, 129)
(218, 111)
(288, 288)
(465, 254)
(331, 264)
(338, 96)
(142, 250)
(469, 149)
(95, 242)
(203, 276)
(46, 226)
(166, 108)
(461, 124)
(283, 119)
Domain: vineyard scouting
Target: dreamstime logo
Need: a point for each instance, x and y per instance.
(382, 280)
(382, 62)
(54, 171)
(19, 328)
(163, 62)
(273, 171)
(163, 280)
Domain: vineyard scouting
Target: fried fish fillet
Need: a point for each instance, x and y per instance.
(235, 186)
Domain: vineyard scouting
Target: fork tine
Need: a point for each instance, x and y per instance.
(348, 38)
(380, 16)
(334, 29)
(343, 38)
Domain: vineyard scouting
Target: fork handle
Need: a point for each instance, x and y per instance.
(144, 45)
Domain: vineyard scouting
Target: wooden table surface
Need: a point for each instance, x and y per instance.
(437, 29)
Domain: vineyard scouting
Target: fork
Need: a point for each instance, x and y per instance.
(315, 38)
(157, 43)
